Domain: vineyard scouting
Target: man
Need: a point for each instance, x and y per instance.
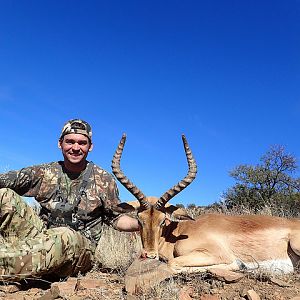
(75, 197)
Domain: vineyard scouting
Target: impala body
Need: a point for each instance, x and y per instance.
(233, 243)
(213, 240)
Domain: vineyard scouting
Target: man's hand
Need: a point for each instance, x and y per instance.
(126, 223)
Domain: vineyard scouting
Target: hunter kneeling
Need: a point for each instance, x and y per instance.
(75, 197)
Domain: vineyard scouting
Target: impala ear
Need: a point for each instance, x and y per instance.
(177, 213)
(123, 208)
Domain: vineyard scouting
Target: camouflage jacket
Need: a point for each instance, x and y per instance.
(43, 182)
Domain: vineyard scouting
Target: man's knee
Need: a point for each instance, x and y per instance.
(6, 206)
(78, 252)
(71, 239)
(9, 199)
(5, 192)
(8, 195)
(17, 218)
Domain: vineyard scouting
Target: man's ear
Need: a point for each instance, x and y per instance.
(177, 214)
(59, 144)
(91, 147)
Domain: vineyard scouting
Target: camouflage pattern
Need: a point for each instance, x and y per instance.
(41, 182)
(29, 247)
(77, 126)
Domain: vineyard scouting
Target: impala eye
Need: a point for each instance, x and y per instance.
(163, 223)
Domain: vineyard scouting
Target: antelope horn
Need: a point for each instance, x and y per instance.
(132, 188)
(191, 175)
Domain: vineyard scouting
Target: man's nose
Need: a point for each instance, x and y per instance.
(76, 147)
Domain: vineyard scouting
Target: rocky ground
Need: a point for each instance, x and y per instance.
(108, 285)
(120, 277)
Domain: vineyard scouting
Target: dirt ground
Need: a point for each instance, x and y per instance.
(183, 287)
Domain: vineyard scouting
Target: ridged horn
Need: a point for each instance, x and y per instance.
(132, 188)
(191, 175)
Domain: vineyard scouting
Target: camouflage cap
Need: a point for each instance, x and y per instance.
(77, 126)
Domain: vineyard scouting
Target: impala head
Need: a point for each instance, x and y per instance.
(152, 212)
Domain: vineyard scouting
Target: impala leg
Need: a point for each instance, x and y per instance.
(295, 243)
(198, 261)
(294, 254)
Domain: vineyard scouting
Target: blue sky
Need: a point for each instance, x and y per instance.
(224, 73)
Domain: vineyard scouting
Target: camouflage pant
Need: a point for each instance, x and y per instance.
(29, 249)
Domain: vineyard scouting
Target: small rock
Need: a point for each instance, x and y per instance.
(75, 297)
(184, 294)
(63, 289)
(132, 297)
(208, 297)
(15, 297)
(225, 275)
(90, 283)
(214, 291)
(251, 295)
(10, 288)
(47, 296)
(144, 274)
(279, 282)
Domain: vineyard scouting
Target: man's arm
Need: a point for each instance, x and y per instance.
(21, 181)
(119, 222)
(126, 223)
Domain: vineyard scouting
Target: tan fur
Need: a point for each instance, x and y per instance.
(216, 240)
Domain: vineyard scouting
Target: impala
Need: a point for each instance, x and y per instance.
(213, 240)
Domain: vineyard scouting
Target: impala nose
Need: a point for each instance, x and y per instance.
(152, 255)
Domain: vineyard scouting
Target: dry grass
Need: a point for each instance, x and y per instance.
(269, 210)
(116, 250)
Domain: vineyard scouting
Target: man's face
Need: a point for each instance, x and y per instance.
(75, 147)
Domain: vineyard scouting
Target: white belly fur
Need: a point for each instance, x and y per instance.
(280, 266)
